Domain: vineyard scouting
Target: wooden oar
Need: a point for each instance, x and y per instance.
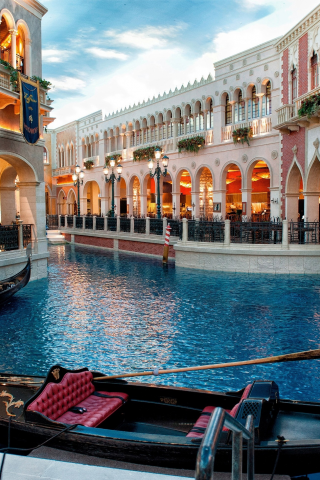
(291, 357)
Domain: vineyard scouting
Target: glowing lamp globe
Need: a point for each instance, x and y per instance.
(112, 162)
(165, 161)
(74, 177)
(150, 164)
(81, 174)
(119, 169)
(78, 169)
(157, 153)
(106, 171)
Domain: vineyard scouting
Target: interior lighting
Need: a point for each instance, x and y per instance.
(265, 175)
(230, 180)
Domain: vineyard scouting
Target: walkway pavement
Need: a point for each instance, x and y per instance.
(33, 468)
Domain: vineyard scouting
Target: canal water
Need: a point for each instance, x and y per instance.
(114, 313)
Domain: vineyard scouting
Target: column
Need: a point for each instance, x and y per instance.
(14, 34)
(83, 205)
(285, 240)
(130, 204)
(219, 196)
(311, 207)
(232, 105)
(164, 226)
(276, 204)
(118, 223)
(8, 205)
(147, 226)
(32, 211)
(128, 141)
(246, 100)
(185, 124)
(205, 113)
(184, 230)
(176, 203)
(27, 57)
(247, 198)
(143, 200)
(292, 207)
(132, 225)
(94, 221)
(227, 232)
(196, 203)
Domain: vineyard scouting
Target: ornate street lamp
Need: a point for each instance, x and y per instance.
(157, 173)
(77, 178)
(112, 179)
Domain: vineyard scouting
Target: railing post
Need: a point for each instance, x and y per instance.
(94, 222)
(20, 237)
(59, 222)
(148, 226)
(132, 225)
(250, 448)
(164, 225)
(106, 223)
(118, 224)
(285, 241)
(236, 456)
(227, 232)
(184, 230)
(74, 221)
(65, 221)
(83, 222)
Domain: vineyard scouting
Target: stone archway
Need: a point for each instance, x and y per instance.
(134, 197)
(312, 192)
(62, 203)
(91, 199)
(204, 189)
(71, 202)
(294, 189)
(231, 184)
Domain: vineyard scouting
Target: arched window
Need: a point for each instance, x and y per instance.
(314, 71)
(228, 115)
(294, 81)
(239, 109)
(255, 103)
(210, 116)
(45, 156)
(268, 99)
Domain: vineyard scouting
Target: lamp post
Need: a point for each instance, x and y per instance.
(157, 173)
(77, 178)
(112, 178)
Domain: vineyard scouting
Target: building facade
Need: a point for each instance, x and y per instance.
(275, 173)
(22, 185)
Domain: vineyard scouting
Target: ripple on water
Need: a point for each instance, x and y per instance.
(116, 313)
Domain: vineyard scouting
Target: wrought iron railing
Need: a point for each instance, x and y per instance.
(256, 232)
(304, 232)
(140, 225)
(100, 223)
(52, 222)
(62, 221)
(79, 222)
(89, 223)
(176, 228)
(156, 226)
(112, 224)
(125, 224)
(70, 221)
(9, 237)
(205, 231)
(27, 235)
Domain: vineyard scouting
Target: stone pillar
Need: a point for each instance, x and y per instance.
(130, 204)
(14, 34)
(94, 221)
(104, 205)
(118, 224)
(227, 232)
(74, 221)
(205, 113)
(184, 230)
(20, 238)
(246, 103)
(105, 223)
(175, 133)
(195, 200)
(285, 240)
(311, 207)
(219, 196)
(176, 203)
(185, 124)
(65, 221)
(232, 105)
(59, 222)
(8, 205)
(147, 226)
(275, 207)
(83, 223)
(143, 199)
(132, 225)
(83, 205)
(164, 225)
(27, 57)
(32, 211)
(128, 139)
(292, 207)
(247, 197)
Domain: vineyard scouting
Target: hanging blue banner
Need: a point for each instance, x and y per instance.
(29, 110)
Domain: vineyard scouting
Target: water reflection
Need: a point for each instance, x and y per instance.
(114, 312)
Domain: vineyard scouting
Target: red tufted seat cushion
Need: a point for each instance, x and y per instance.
(75, 390)
(201, 424)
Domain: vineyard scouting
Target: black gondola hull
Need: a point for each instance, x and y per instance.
(21, 279)
(299, 455)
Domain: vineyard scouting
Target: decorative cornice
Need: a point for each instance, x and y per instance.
(33, 6)
(298, 29)
(159, 98)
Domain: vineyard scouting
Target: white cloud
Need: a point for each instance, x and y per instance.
(106, 53)
(67, 83)
(145, 38)
(54, 55)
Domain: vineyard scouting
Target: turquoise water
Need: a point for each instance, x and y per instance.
(119, 313)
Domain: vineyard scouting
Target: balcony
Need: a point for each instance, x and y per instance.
(10, 96)
(260, 126)
(288, 118)
(94, 159)
(59, 172)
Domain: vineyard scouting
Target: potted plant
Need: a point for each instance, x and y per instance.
(144, 153)
(88, 164)
(117, 158)
(192, 144)
(242, 135)
(309, 106)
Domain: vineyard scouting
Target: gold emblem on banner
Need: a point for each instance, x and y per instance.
(56, 373)
(11, 403)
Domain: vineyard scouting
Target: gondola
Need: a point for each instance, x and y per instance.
(153, 424)
(12, 285)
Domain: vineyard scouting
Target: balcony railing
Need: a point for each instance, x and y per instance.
(13, 239)
(259, 126)
(57, 172)
(94, 159)
(4, 78)
(288, 117)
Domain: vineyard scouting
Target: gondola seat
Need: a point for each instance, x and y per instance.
(76, 390)
(199, 428)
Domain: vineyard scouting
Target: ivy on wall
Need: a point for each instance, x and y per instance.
(14, 76)
(242, 135)
(309, 106)
(144, 153)
(88, 164)
(116, 157)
